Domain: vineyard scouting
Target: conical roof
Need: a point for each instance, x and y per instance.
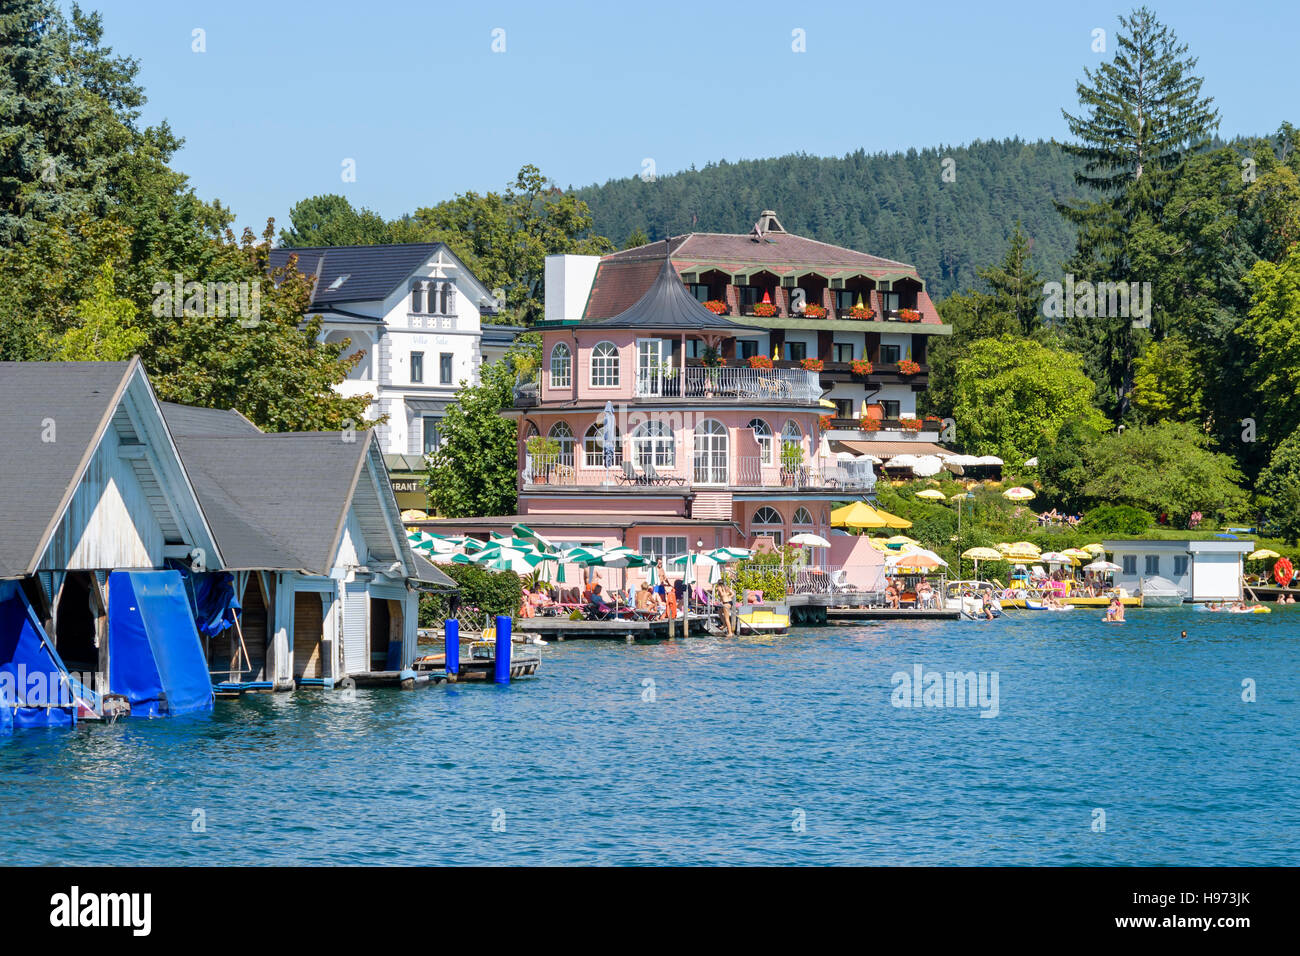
(667, 305)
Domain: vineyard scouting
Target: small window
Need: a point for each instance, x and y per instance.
(796, 351)
(749, 294)
(604, 365)
(843, 407)
(417, 298)
(593, 448)
(844, 351)
(561, 366)
(846, 299)
(417, 367)
(1130, 564)
(667, 547)
(768, 521)
(802, 516)
(1180, 565)
(700, 291)
(444, 368)
(748, 348)
(1152, 564)
(890, 408)
(890, 354)
(431, 436)
(889, 301)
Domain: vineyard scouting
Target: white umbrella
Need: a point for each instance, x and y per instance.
(809, 540)
(927, 465)
(1032, 463)
(1102, 566)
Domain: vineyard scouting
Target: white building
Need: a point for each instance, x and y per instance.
(416, 313)
(1206, 570)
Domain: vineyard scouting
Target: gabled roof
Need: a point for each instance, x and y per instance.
(279, 502)
(362, 273)
(189, 420)
(667, 305)
(54, 415)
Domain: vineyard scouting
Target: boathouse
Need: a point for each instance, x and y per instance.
(96, 507)
(311, 531)
(1207, 570)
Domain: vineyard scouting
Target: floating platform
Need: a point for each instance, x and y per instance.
(1097, 602)
(522, 664)
(838, 614)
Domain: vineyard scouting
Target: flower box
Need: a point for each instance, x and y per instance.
(814, 311)
(812, 365)
(764, 310)
(824, 423)
(910, 424)
(860, 367)
(908, 367)
(716, 306)
(860, 312)
(909, 315)
(760, 361)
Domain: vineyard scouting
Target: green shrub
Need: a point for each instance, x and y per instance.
(1116, 519)
(492, 592)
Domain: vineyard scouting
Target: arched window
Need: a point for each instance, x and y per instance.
(604, 365)
(791, 444)
(593, 448)
(766, 444)
(563, 436)
(561, 366)
(417, 297)
(710, 453)
(447, 291)
(802, 516)
(653, 442)
(768, 521)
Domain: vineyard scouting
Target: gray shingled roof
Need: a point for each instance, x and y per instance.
(373, 272)
(76, 400)
(667, 305)
(189, 420)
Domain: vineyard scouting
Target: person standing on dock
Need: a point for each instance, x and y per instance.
(727, 598)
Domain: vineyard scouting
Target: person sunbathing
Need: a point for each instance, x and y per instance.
(891, 594)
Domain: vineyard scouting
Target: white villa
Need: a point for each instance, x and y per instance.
(417, 314)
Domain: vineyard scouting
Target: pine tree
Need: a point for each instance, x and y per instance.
(1016, 285)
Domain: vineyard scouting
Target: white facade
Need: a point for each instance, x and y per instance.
(422, 341)
(1206, 570)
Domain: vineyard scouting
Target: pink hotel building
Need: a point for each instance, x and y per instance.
(707, 450)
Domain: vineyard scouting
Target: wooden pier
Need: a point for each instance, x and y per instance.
(849, 614)
(563, 629)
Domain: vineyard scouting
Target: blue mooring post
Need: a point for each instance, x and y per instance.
(501, 669)
(451, 630)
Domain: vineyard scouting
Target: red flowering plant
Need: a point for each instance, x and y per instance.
(814, 311)
(910, 424)
(909, 315)
(860, 311)
(860, 367)
(760, 361)
(764, 310)
(824, 422)
(908, 367)
(812, 365)
(716, 306)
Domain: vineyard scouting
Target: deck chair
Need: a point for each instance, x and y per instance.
(629, 476)
(657, 479)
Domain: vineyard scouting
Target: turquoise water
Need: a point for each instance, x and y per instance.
(741, 737)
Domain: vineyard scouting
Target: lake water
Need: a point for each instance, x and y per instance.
(782, 750)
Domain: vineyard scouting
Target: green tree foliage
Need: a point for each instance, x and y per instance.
(1271, 337)
(1116, 519)
(331, 220)
(481, 593)
(1168, 382)
(475, 469)
(107, 331)
(1167, 469)
(1063, 466)
(895, 205)
(1279, 489)
(1016, 286)
(1141, 114)
(1011, 397)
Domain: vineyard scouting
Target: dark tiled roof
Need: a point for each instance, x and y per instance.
(777, 250)
(211, 422)
(667, 305)
(76, 400)
(372, 272)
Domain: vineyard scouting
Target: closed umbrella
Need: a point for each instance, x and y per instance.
(607, 436)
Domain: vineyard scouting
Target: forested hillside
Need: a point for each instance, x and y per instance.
(897, 205)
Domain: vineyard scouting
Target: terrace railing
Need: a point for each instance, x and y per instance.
(710, 470)
(725, 383)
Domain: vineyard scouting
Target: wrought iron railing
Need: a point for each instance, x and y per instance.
(727, 383)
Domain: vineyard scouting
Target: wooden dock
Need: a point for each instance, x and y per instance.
(563, 629)
(839, 614)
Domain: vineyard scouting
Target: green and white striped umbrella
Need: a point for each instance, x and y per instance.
(538, 542)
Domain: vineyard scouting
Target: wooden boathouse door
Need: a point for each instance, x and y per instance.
(308, 627)
(356, 621)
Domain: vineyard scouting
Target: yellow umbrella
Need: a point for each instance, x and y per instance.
(982, 554)
(1079, 553)
(893, 521)
(858, 515)
(1027, 546)
(899, 540)
(1263, 554)
(826, 403)
(1093, 549)
(776, 353)
(1018, 494)
(878, 544)
(932, 494)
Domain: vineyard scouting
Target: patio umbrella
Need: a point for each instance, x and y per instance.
(927, 465)
(1263, 554)
(1032, 463)
(893, 521)
(858, 515)
(810, 540)
(607, 435)
(981, 554)
(916, 560)
(528, 534)
(1057, 557)
(1103, 566)
(1079, 553)
(1093, 549)
(899, 541)
(932, 494)
(1018, 494)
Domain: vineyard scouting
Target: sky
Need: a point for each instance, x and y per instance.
(427, 100)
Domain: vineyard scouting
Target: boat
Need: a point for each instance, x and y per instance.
(971, 597)
(1038, 604)
(1161, 592)
(757, 619)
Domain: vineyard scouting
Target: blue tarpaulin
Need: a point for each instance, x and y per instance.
(156, 658)
(215, 604)
(35, 687)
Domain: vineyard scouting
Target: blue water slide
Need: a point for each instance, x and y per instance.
(156, 659)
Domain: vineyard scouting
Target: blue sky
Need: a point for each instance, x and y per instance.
(415, 95)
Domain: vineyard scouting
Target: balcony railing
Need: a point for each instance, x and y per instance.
(703, 470)
(731, 384)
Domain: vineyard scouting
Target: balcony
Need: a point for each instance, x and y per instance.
(704, 472)
(729, 384)
(525, 394)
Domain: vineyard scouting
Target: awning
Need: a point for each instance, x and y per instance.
(156, 659)
(888, 449)
(436, 405)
